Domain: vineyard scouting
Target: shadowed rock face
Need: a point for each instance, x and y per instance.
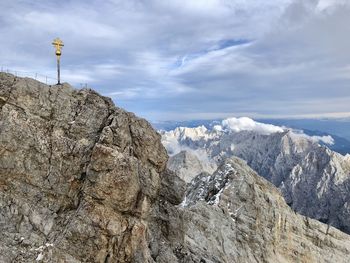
(187, 165)
(76, 173)
(84, 181)
(234, 215)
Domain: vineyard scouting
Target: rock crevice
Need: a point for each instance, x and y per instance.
(68, 181)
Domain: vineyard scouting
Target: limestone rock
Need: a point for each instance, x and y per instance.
(78, 176)
(187, 165)
(314, 180)
(234, 215)
(84, 181)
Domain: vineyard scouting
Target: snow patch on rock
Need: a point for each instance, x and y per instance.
(309, 174)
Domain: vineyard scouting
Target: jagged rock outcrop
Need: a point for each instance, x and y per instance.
(234, 216)
(78, 176)
(84, 181)
(314, 180)
(187, 165)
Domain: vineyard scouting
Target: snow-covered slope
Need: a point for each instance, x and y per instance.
(314, 180)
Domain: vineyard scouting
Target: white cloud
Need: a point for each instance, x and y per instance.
(327, 4)
(325, 139)
(178, 59)
(247, 124)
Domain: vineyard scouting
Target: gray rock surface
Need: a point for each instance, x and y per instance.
(234, 215)
(314, 180)
(187, 165)
(84, 181)
(78, 176)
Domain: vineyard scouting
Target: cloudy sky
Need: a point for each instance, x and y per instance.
(191, 59)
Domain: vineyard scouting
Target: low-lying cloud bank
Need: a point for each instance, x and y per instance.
(326, 139)
(247, 124)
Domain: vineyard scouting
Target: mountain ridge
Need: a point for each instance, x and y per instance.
(82, 180)
(234, 215)
(341, 142)
(313, 179)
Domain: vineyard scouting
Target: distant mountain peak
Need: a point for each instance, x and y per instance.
(313, 179)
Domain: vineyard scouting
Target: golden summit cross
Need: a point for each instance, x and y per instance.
(58, 44)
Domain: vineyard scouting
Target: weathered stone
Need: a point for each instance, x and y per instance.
(313, 179)
(187, 165)
(84, 181)
(234, 215)
(75, 172)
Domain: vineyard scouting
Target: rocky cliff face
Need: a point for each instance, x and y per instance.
(187, 165)
(84, 181)
(78, 176)
(234, 216)
(314, 180)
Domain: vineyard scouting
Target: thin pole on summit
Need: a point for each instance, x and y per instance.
(58, 44)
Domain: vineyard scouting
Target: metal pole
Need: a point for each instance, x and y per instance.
(58, 71)
(58, 44)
